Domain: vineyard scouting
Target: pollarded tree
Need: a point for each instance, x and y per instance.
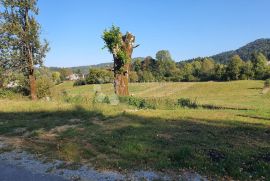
(121, 47)
(21, 49)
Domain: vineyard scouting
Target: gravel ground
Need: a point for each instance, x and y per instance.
(15, 173)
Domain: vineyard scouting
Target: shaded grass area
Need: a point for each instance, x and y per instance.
(147, 140)
(228, 134)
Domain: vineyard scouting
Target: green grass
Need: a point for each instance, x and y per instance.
(232, 142)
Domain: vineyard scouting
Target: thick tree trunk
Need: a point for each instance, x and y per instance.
(29, 56)
(121, 72)
(32, 83)
(121, 82)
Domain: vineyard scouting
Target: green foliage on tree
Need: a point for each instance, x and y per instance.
(121, 47)
(220, 71)
(99, 76)
(247, 71)
(114, 43)
(187, 71)
(20, 45)
(136, 64)
(207, 69)
(56, 77)
(163, 55)
(259, 62)
(234, 68)
(133, 76)
(64, 73)
(44, 87)
(146, 76)
(200, 69)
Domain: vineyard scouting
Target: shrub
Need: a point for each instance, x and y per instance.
(106, 100)
(79, 82)
(99, 76)
(76, 99)
(267, 83)
(44, 85)
(7, 93)
(183, 102)
(137, 102)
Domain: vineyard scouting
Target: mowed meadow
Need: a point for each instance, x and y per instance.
(226, 135)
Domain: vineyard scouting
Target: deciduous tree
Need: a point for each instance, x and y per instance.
(234, 68)
(259, 62)
(21, 48)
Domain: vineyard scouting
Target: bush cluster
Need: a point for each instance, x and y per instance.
(7, 94)
(137, 102)
(44, 86)
(80, 82)
(187, 103)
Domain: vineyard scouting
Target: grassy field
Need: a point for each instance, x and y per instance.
(232, 141)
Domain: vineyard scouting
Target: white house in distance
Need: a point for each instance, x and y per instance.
(12, 84)
(73, 77)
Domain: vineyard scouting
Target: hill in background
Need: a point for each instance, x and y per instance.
(245, 52)
(84, 69)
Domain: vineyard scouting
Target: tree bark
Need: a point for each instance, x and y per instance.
(121, 72)
(121, 81)
(29, 56)
(32, 83)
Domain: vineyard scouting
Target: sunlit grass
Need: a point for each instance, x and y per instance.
(222, 142)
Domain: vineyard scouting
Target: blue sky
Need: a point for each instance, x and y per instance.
(187, 28)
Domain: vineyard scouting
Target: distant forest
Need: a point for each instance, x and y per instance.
(247, 63)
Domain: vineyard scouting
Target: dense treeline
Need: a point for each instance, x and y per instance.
(163, 68)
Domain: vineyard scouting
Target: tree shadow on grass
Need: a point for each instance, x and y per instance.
(131, 141)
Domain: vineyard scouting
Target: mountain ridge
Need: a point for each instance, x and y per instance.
(245, 52)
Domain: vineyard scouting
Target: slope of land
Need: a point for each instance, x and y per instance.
(245, 52)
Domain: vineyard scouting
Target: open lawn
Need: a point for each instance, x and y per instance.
(232, 141)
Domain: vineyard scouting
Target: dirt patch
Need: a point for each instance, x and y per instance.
(53, 133)
(11, 141)
(60, 129)
(266, 90)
